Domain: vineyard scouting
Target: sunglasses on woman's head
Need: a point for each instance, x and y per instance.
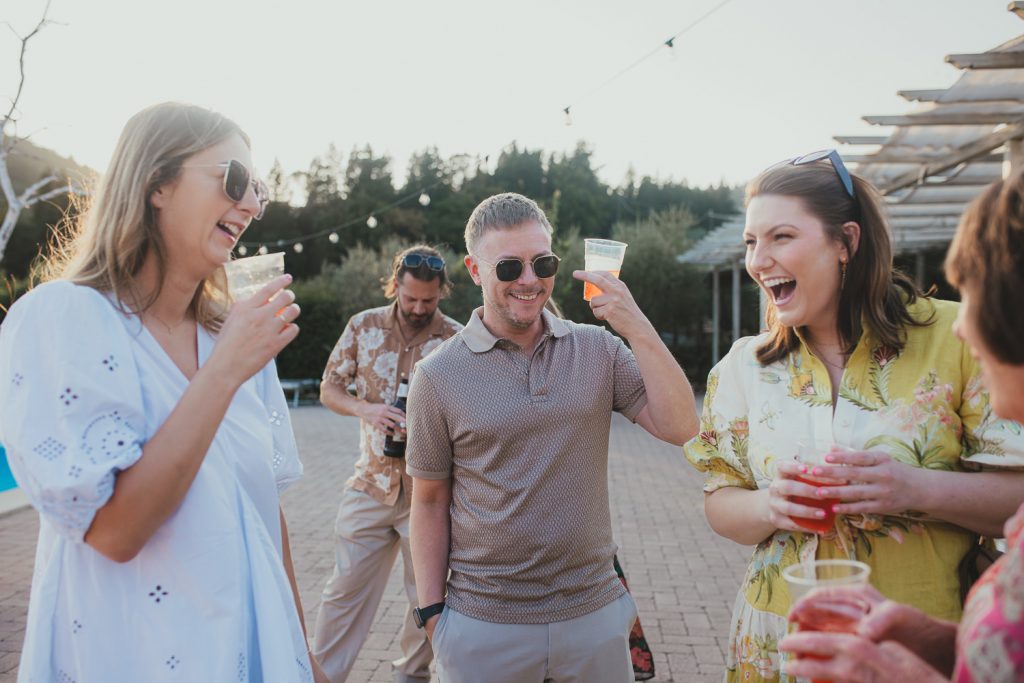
(237, 180)
(834, 159)
(510, 269)
(414, 261)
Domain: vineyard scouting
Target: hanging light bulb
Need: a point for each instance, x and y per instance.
(333, 237)
(371, 222)
(242, 251)
(568, 116)
(424, 198)
(263, 251)
(297, 247)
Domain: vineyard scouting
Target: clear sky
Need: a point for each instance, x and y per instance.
(757, 81)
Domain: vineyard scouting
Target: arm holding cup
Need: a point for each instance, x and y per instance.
(671, 410)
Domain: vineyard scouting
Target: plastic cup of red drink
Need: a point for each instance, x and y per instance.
(810, 455)
(829, 613)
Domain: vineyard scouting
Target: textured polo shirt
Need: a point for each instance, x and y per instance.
(373, 354)
(524, 439)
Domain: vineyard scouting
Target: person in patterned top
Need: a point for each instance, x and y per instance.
(895, 641)
(377, 350)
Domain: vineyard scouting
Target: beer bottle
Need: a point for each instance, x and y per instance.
(394, 442)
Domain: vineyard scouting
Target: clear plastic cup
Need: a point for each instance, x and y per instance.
(247, 275)
(814, 454)
(601, 255)
(806, 576)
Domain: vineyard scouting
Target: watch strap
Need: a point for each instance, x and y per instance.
(425, 613)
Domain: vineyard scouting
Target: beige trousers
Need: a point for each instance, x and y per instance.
(593, 648)
(367, 537)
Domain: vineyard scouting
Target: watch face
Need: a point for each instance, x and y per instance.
(417, 618)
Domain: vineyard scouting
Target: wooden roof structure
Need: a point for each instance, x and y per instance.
(941, 153)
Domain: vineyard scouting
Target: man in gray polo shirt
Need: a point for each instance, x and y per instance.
(508, 447)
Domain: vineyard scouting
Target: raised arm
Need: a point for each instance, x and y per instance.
(671, 410)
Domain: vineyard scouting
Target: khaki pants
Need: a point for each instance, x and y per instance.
(593, 648)
(367, 537)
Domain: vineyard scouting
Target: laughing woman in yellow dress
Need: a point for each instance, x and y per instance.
(856, 357)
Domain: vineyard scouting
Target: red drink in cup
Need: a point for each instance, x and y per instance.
(818, 525)
(812, 455)
(829, 615)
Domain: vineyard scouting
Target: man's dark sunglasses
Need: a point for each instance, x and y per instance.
(237, 180)
(414, 261)
(837, 164)
(510, 269)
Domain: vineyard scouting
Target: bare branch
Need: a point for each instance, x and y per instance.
(70, 188)
(21, 61)
(26, 196)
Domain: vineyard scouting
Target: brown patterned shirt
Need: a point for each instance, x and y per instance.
(373, 353)
(524, 440)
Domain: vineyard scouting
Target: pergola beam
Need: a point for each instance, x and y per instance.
(861, 139)
(930, 95)
(965, 153)
(885, 157)
(988, 60)
(945, 119)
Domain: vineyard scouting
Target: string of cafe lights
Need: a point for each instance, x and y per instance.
(422, 195)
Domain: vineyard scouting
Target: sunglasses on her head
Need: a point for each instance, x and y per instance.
(834, 159)
(237, 181)
(510, 269)
(414, 261)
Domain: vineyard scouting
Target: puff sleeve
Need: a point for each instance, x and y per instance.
(71, 407)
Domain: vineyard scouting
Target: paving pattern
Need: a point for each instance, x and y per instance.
(682, 576)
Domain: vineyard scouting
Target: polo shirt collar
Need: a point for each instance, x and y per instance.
(479, 339)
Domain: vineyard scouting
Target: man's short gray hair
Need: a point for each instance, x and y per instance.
(502, 211)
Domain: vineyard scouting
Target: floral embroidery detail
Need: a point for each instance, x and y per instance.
(173, 662)
(106, 437)
(109, 363)
(67, 396)
(75, 472)
(17, 379)
(76, 626)
(243, 667)
(276, 418)
(157, 593)
(278, 458)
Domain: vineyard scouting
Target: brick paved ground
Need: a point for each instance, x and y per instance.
(682, 576)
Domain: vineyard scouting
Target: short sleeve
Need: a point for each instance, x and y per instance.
(720, 448)
(429, 446)
(629, 393)
(71, 408)
(287, 465)
(988, 442)
(342, 363)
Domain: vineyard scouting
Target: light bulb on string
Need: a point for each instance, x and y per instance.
(263, 251)
(242, 251)
(424, 198)
(568, 116)
(333, 238)
(670, 44)
(371, 222)
(297, 247)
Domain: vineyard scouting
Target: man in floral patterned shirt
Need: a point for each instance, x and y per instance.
(378, 349)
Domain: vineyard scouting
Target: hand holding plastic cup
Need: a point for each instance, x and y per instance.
(601, 255)
(828, 613)
(247, 275)
(811, 454)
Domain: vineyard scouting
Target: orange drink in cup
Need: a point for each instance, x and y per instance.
(601, 255)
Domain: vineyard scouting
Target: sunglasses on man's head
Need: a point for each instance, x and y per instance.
(834, 159)
(237, 180)
(510, 269)
(414, 261)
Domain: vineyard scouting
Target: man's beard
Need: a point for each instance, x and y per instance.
(417, 321)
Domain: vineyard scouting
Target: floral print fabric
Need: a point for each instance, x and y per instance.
(924, 406)
(373, 355)
(990, 640)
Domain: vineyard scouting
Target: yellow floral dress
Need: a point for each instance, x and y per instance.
(924, 406)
